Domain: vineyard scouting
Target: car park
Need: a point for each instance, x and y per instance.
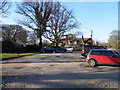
(49, 50)
(69, 48)
(100, 56)
(87, 48)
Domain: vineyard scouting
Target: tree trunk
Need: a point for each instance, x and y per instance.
(40, 43)
(56, 43)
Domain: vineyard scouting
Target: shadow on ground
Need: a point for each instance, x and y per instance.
(62, 80)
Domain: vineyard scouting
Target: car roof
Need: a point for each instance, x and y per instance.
(93, 46)
(101, 50)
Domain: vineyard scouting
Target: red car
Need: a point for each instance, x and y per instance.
(100, 56)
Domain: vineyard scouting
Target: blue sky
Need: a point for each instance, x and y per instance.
(101, 17)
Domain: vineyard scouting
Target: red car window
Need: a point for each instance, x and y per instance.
(95, 53)
(107, 53)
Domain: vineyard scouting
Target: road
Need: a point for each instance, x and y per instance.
(59, 70)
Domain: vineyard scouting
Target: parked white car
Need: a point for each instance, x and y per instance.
(69, 48)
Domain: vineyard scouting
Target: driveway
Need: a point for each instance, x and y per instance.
(59, 70)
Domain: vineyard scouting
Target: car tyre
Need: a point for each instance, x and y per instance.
(92, 62)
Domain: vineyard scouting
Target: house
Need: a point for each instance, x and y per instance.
(71, 40)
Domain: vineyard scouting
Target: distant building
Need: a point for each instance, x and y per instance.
(71, 40)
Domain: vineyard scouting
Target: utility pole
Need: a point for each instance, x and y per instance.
(92, 36)
(83, 40)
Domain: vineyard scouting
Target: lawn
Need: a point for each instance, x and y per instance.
(7, 56)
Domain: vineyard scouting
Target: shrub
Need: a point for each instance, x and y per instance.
(31, 48)
(77, 48)
(8, 47)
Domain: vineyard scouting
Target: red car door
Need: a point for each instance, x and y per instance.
(108, 57)
(104, 60)
(95, 55)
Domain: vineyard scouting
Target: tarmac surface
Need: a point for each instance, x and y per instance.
(57, 70)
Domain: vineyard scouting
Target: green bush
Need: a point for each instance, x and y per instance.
(77, 48)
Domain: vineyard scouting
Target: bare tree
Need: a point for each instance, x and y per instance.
(14, 33)
(37, 15)
(61, 21)
(32, 38)
(4, 6)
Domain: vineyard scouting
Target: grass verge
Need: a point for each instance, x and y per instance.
(5, 56)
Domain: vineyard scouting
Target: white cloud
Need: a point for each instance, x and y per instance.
(6, 21)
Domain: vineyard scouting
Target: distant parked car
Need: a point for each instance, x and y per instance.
(69, 48)
(100, 56)
(49, 50)
(87, 48)
(62, 49)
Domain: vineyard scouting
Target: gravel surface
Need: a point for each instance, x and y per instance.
(59, 70)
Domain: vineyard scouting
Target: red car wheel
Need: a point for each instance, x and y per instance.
(92, 62)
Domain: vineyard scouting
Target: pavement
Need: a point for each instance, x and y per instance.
(57, 70)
